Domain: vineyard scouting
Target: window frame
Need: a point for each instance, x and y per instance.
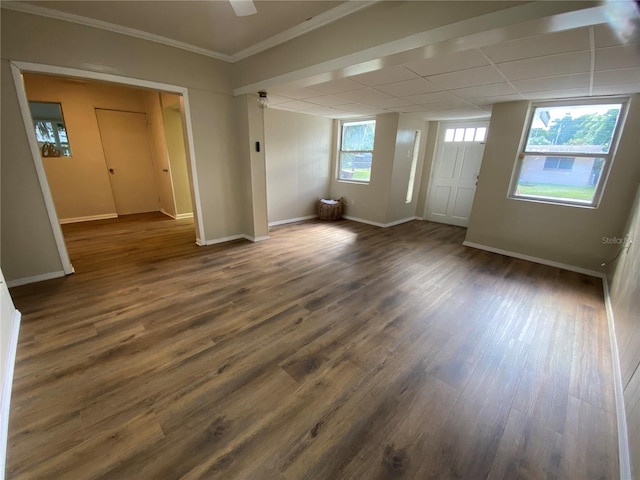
(340, 151)
(59, 145)
(608, 157)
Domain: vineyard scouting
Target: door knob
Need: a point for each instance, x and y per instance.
(111, 171)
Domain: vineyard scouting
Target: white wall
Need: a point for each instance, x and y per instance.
(9, 324)
(564, 234)
(250, 129)
(174, 137)
(161, 167)
(625, 303)
(298, 155)
(431, 137)
(398, 209)
(383, 200)
(370, 202)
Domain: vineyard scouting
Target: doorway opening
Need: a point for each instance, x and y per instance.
(128, 148)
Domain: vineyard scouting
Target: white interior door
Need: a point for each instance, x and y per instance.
(126, 146)
(455, 172)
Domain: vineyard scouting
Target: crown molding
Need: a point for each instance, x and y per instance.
(318, 21)
(111, 27)
(347, 8)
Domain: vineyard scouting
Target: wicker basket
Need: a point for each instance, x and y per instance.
(330, 211)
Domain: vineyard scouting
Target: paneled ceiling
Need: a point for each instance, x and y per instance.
(586, 61)
(580, 62)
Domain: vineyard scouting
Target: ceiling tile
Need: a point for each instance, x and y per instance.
(364, 95)
(560, 82)
(483, 101)
(328, 100)
(485, 90)
(459, 113)
(448, 63)
(409, 87)
(622, 56)
(605, 37)
(276, 99)
(360, 109)
(568, 93)
(450, 105)
(296, 93)
(410, 109)
(337, 86)
(616, 89)
(389, 102)
(296, 106)
(426, 98)
(322, 112)
(623, 76)
(552, 65)
(340, 115)
(540, 45)
(467, 78)
(384, 76)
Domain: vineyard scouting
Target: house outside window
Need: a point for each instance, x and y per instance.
(568, 151)
(559, 163)
(356, 150)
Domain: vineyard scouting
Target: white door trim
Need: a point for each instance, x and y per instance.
(42, 176)
(442, 127)
(18, 68)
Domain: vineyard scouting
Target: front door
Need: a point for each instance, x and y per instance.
(455, 172)
(125, 142)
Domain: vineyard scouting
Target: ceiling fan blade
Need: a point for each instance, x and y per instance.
(243, 8)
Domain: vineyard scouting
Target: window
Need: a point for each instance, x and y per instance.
(469, 134)
(356, 150)
(414, 164)
(568, 151)
(50, 129)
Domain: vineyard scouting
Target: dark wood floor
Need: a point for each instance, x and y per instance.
(331, 351)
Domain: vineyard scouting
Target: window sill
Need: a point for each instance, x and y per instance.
(548, 201)
(354, 182)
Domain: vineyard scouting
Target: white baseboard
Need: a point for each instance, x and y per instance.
(621, 416)
(292, 220)
(401, 221)
(542, 261)
(377, 224)
(230, 238)
(35, 278)
(178, 216)
(89, 218)
(362, 220)
(7, 383)
(256, 239)
(162, 210)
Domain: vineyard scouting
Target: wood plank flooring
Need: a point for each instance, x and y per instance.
(331, 351)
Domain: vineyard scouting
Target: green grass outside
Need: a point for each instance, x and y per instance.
(557, 191)
(360, 174)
